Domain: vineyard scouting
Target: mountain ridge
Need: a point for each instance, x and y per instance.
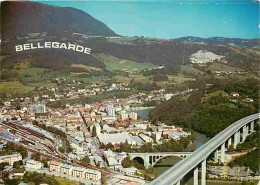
(253, 43)
(20, 18)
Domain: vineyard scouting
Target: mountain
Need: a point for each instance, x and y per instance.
(253, 43)
(20, 18)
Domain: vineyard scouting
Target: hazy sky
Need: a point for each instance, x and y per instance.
(172, 19)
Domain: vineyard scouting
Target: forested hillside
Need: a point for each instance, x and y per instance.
(209, 110)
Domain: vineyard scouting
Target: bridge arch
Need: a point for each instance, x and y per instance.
(139, 159)
(158, 158)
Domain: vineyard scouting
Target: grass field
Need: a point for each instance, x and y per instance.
(190, 69)
(63, 181)
(42, 84)
(117, 64)
(33, 71)
(14, 88)
(89, 68)
(223, 67)
(93, 79)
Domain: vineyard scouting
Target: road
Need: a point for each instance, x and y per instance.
(179, 170)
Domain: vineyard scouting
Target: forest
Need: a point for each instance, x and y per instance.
(210, 112)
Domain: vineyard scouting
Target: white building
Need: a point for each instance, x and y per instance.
(116, 138)
(146, 138)
(10, 159)
(38, 108)
(111, 110)
(133, 115)
(97, 129)
(123, 116)
(33, 164)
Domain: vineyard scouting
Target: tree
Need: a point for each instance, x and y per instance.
(126, 162)
(17, 164)
(86, 159)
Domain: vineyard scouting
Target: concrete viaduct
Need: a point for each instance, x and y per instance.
(235, 133)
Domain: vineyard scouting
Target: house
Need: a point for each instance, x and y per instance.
(234, 94)
(18, 172)
(33, 164)
(129, 171)
(248, 100)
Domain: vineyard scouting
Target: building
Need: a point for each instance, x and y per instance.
(146, 138)
(123, 116)
(38, 108)
(97, 129)
(93, 175)
(116, 138)
(75, 171)
(54, 166)
(111, 110)
(33, 164)
(234, 94)
(168, 96)
(133, 115)
(129, 171)
(78, 172)
(66, 169)
(10, 159)
(156, 135)
(18, 172)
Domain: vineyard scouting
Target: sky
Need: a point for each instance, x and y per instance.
(176, 18)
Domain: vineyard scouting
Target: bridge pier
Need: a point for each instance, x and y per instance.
(146, 161)
(203, 172)
(235, 139)
(252, 127)
(196, 176)
(229, 142)
(223, 153)
(216, 156)
(239, 137)
(244, 133)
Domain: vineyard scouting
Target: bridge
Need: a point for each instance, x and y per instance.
(221, 141)
(150, 159)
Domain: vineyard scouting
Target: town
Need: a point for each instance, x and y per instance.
(82, 142)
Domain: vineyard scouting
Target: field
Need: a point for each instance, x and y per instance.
(32, 71)
(63, 181)
(117, 64)
(189, 69)
(42, 84)
(223, 67)
(14, 88)
(82, 66)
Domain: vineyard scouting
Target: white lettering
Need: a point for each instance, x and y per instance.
(72, 46)
(59, 45)
(55, 45)
(39, 45)
(87, 50)
(63, 45)
(47, 45)
(79, 48)
(33, 47)
(26, 46)
(19, 48)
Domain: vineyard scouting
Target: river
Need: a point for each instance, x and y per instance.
(168, 162)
